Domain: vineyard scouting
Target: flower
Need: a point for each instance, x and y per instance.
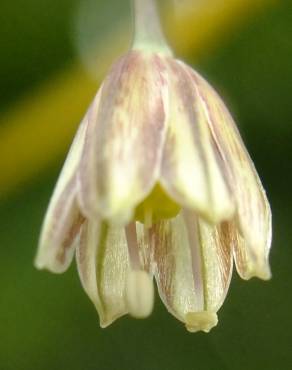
(157, 183)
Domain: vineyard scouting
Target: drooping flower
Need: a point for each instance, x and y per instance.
(158, 184)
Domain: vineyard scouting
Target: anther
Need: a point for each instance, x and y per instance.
(139, 293)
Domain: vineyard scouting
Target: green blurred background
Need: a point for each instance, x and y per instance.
(46, 320)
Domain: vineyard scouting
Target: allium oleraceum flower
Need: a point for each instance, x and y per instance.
(158, 184)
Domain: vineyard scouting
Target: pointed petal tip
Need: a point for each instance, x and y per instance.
(257, 265)
(214, 212)
(56, 249)
(45, 262)
(116, 214)
(38, 262)
(216, 216)
(39, 265)
(104, 324)
(104, 321)
(201, 321)
(259, 270)
(120, 217)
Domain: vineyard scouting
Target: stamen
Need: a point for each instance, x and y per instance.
(191, 223)
(133, 248)
(201, 321)
(139, 293)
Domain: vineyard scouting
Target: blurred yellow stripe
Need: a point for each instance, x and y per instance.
(39, 128)
(204, 23)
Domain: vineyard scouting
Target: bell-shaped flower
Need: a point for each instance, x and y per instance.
(158, 184)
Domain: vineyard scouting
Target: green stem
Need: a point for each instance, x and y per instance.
(147, 30)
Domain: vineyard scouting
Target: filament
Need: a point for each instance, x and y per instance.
(133, 248)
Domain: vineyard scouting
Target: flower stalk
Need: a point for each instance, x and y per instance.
(148, 34)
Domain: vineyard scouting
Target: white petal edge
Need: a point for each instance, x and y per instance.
(253, 217)
(174, 270)
(103, 266)
(124, 141)
(63, 219)
(192, 172)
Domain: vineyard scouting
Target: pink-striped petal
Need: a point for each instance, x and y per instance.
(193, 268)
(216, 254)
(103, 265)
(192, 171)
(253, 210)
(121, 158)
(243, 261)
(63, 219)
